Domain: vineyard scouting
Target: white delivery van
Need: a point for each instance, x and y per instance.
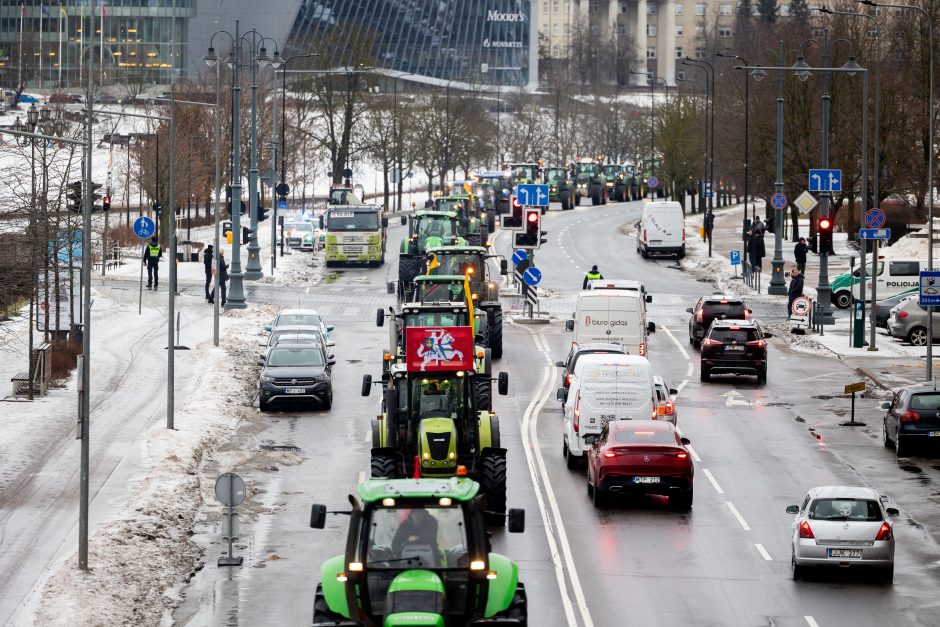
(612, 316)
(661, 230)
(605, 388)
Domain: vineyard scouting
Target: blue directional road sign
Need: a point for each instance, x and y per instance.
(144, 227)
(929, 288)
(532, 195)
(778, 201)
(735, 257)
(532, 276)
(654, 182)
(825, 180)
(874, 234)
(282, 204)
(519, 256)
(875, 218)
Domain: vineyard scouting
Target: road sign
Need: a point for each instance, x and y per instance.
(709, 194)
(735, 257)
(282, 189)
(874, 234)
(519, 256)
(654, 182)
(801, 306)
(875, 218)
(282, 204)
(825, 180)
(778, 201)
(929, 288)
(532, 276)
(230, 489)
(144, 227)
(532, 195)
(805, 202)
(852, 388)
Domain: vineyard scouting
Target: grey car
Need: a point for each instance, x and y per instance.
(883, 307)
(909, 322)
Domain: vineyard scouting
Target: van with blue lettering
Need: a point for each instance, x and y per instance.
(894, 276)
(612, 316)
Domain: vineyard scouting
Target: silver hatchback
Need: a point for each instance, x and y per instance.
(845, 527)
(908, 322)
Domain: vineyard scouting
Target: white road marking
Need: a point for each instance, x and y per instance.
(362, 476)
(681, 347)
(737, 514)
(695, 456)
(690, 370)
(682, 385)
(811, 621)
(763, 552)
(714, 483)
(537, 470)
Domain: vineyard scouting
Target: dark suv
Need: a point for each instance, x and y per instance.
(295, 372)
(913, 416)
(735, 347)
(579, 350)
(716, 307)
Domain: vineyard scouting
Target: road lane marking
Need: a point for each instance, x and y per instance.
(737, 514)
(681, 347)
(714, 483)
(695, 456)
(811, 621)
(691, 369)
(682, 385)
(362, 476)
(763, 552)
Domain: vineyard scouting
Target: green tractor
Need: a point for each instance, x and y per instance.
(561, 187)
(436, 404)
(426, 229)
(590, 181)
(526, 172)
(618, 181)
(418, 554)
(461, 260)
(442, 288)
(474, 223)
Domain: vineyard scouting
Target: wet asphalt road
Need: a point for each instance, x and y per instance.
(757, 450)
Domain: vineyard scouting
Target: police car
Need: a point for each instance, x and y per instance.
(893, 276)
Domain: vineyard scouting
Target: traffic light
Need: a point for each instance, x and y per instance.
(246, 233)
(106, 202)
(95, 196)
(516, 212)
(531, 235)
(824, 230)
(262, 213)
(228, 202)
(157, 208)
(74, 196)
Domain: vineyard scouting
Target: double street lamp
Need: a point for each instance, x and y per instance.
(652, 80)
(710, 126)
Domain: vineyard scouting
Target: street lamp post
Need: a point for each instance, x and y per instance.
(259, 57)
(708, 139)
(711, 154)
(747, 151)
(652, 79)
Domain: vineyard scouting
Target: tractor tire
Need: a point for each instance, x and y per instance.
(518, 609)
(577, 200)
(491, 222)
(495, 326)
(408, 268)
(565, 203)
(474, 239)
(493, 484)
(322, 614)
(384, 467)
(595, 198)
(483, 393)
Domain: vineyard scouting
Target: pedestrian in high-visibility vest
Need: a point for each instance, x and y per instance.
(591, 276)
(152, 254)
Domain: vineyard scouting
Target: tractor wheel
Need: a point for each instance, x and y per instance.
(577, 199)
(495, 324)
(491, 222)
(322, 615)
(518, 609)
(565, 203)
(474, 239)
(595, 198)
(483, 393)
(493, 484)
(384, 467)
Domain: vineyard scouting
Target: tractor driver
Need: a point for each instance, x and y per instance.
(436, 397)
(418, 527)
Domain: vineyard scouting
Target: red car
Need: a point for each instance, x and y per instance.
(640, 457)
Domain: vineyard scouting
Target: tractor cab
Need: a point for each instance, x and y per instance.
(525, 172)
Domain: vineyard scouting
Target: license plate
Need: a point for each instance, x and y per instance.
(933, 434)
(656, 242)
(733, 348)
(295, 390)
(646, 480)
(845, 553)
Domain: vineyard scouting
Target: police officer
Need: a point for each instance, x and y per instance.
(207, 259)
(152, 255)
(591, 276)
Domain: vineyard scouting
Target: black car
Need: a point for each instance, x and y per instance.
(579, 350)
(913, 416)
(295, 372)
(716, 307)
(735, 347)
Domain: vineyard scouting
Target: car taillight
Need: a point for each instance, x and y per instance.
(644, 235)
(643, 349)
(568, 378)
(884, 533)
(683, 235)
(577, 411)
(747, 314)
(711, 342)
(902, 315)
(610, 454)
(910, 416)
(682, 455)
(757, 343)
(669, 408)
(805, 531)
(700, 316)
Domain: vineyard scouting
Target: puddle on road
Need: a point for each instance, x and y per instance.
(909, 468)
(823, 397)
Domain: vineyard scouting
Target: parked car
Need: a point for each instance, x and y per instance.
(708, 308)
(581, 350)
(295, 372)
(909, 322)
(735, 347)
(883, 307)
(106, 99)
(845, 527)
(661, 230)
(640, 457)
(303, 318)
(913, 416)
(666, 409)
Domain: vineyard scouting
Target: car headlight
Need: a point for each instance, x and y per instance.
(267, 379)
(321, 378)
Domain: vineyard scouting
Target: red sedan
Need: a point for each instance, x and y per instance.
(640, 457)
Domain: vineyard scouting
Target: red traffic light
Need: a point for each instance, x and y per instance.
(825, 224)
(515, 202)
(532, 216)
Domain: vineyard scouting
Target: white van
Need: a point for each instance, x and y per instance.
(619, 284)
(605, 388)
(661, 230)
(612, 316)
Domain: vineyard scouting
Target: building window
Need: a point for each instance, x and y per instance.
(678, 52)
(679, 30)
(651, 52)
(700, 53)
(680, 9)
(592, 6)
(871, 33)
(724, 9)
(650, 8)
(724, 31)
(680, 75)
(700, 8)
(784, 10)
(545, 7)
(555, 6)
(818, 32)
(555, 28)
(650, 30)
(700, 30)
(623, 7)
(556, 51)
(621, 29)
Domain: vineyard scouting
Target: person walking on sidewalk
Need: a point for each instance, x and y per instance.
(799, 253)
(223, 278)
(756, 241)
(795, 290)
(593, 275)
(207, 259)
(152, 254)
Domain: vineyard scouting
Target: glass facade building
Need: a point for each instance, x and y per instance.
(491, 42)
(47, 43)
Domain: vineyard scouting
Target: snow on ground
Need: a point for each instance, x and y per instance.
(911, 246)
